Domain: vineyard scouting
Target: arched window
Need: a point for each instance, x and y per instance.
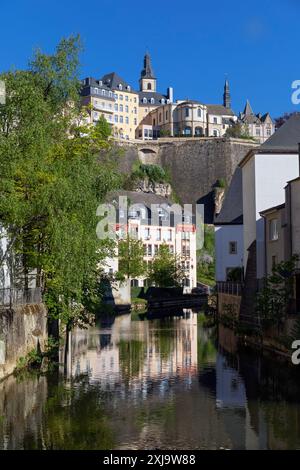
(162, 101)
(120, 86)
(144, 100)
(152, 100)
(199, 112)
(199, 131)
(128, 88)
(149, 87)
(187, 130)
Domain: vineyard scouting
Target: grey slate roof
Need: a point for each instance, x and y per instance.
(232, 209)
(151, 94)
(113, 80)
(219, 110)
(286, 138)
(135, 197)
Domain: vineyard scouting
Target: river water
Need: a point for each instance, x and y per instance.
(166, 383)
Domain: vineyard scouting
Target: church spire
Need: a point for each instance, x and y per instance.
(147, 71)
(226, 95)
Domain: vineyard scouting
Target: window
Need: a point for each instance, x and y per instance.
(167, 115)
(149, 87)
(121, 119)
(144, 100)
(135, 110)
(154, 122)
(135, 121)
(199, 112)
(126, 98)
(146, 233)
(171, 249)
(116, 118)
(103, 92)
(215, 120)
(126, 109)
(158, 234)
(149, 250)
(215, 133)
(120, 86)
(121, 97)
(152, 100)
(162, 101)
(121, 108)
(155, 249)
(274, 261)
(128, 88)
(169, 235)
(134, 99)
(187, 112)
(116, 106)
(273, 230)
(268, 130)
(257, 131)
(232, 248)
(127, 120)
(110, 94)
(159, 117)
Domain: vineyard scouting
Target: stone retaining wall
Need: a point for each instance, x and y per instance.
(21, 329)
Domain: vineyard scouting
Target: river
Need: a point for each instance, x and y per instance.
(160, 383)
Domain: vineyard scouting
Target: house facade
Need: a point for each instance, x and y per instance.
(259, 126)
(265, 173)
(229, 242)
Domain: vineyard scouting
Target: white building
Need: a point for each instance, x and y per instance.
(151, 219)
(265, 173)
(229, 243)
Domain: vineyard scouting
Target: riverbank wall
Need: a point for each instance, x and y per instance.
(22, 329)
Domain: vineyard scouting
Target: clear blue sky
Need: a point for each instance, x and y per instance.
(193, 44)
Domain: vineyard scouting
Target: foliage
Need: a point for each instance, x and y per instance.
(31, 360)
(164, 133)
(279, 121)
(235, 274)
(165, 270)
(54, 173)
(131, 258)
(154, 173)
(206, 258)
(273, 300)
(221, 183)
(238, 130)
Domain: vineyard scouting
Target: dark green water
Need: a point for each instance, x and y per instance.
(155, 384)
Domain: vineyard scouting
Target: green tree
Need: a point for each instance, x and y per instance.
(273, 301)
(238, 130)
(54, 173)
(131, 258)
(165, 270)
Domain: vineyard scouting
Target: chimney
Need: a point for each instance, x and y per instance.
(170, 94)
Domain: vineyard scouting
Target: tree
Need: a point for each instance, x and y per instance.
(165, 270)
(54, 173)
(279, 121)
(238, 130)
(272, 302)
(131, 258)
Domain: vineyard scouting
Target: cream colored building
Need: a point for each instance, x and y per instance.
(259, 126)
(115, 100)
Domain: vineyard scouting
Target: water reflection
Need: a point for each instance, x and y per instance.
(162, 383)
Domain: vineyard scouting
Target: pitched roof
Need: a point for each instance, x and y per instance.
(232, 208)
(113, 80)
(219, 110)
(147, 71)
(135, 197)
(248, 110)
(287, 137)
(157, 97)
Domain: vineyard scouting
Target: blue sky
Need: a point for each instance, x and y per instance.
(193, 44)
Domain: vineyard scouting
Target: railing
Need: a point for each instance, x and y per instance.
(12, 296)
(231, 288)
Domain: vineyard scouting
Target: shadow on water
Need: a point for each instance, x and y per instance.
(172, 382)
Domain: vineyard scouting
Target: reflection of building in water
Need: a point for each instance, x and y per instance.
(135, 350)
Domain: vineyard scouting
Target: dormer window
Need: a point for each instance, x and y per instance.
(162, 101)
(144, 100)
(103, 92)
(120, 86)
(152, 100)
(128, 88)
(100, 82)
(110, 94)
(168, 101)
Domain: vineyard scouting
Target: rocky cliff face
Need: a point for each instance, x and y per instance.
(147, 186)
